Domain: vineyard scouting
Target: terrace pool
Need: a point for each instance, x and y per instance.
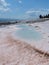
(27, 32)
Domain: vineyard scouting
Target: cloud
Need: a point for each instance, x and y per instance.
(4, 3)
(4, 9)
(4, 6)
(20, 1)
(38, 11)
(34, 13)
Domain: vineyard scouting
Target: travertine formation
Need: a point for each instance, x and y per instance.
(16, 52)
(43, 44)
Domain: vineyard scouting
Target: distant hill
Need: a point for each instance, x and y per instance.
(7, 20)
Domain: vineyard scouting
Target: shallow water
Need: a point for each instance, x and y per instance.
(27, 33)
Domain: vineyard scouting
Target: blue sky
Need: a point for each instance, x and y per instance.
(23, 9)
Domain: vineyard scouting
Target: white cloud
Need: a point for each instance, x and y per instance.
(4, 6)
(4, 3)
(25, 16)
(39, 11)
(4, 9)
(34, 13)
(20, 1)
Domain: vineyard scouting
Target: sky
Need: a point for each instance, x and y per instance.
(23, 9)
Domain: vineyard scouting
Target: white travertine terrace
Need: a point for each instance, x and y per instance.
(16, 52)
(43, 28)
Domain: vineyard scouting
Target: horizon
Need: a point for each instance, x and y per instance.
(23, 9)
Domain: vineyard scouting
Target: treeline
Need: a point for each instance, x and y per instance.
(46, 16)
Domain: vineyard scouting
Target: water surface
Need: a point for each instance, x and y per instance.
(27, 33)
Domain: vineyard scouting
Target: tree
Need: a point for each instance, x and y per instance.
(40, 16)
(48, 15)
(45, 16)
